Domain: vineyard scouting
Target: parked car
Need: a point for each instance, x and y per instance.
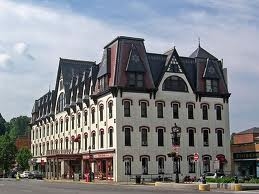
(35, 175)
(25, 174)
(213, 175)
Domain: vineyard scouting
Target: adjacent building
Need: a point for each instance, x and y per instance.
(115, 118)
(245, 150)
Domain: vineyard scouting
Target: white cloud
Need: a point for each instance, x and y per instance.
(21, 48)
(5, 60)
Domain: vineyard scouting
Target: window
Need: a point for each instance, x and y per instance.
(67, 121)
(101, 113)
(56, 144)
(66, 143)
(86, 136)
(60, 84)
(143, 106)
(85, 117)
(43, 131)
(51, 128)
(206, 138)
(190, 111)
(36, 150)
(205, 112)
(61, 126)
(161, 165)
(33, 134)
(78, 120)
(175, 167)
(218, 112)
(174, 66)
(219, 137)
(160, 110)
(211, 85)
(60, 103)
(144, 162)
(33, 150)
(43, 149)
(73, 144)
(47, 146)
(127, 136)
(56, 127)
(191, 137)
(110, 110)
(79, 143)
(144, 136)
(206, 164)
(61, 144)
(135, 79)
(93, 140)
(101, 139)
(73, 122)
(174, 83)
(191, 163)
(40, 132)
(127, 164)
(127, 108)
(111, 137)
(93, 116)
(47, 130)
(160, 134)
(175, 111)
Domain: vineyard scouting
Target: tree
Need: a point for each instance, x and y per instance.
(7, 152)
(22, 158)
(19, 126)
(2, 125)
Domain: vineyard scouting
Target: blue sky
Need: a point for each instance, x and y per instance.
(34, 34)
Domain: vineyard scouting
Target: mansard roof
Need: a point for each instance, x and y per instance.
(211, 70)
(202, 53)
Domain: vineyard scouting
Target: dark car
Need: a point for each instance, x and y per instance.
(35, 175)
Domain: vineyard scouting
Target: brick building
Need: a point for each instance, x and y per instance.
(245, 152)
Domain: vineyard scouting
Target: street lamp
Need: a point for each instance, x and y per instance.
(176, 133)
(90, 168)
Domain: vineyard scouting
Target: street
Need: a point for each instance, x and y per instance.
(25, 186)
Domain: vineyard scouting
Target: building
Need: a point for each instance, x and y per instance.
(23, 142)
(245, 150)
(115, 118)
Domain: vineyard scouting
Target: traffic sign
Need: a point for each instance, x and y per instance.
(196, 157)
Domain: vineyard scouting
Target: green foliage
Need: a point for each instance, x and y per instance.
(254, 180)
(19, 126)
(2, 125)
(23, 157)
(220, 180)
(7, 152)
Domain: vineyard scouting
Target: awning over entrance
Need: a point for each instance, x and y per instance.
(222, 159)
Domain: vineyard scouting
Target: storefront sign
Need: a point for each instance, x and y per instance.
(96, 156)
(246, 155)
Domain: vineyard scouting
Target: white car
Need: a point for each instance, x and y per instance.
(25, 174)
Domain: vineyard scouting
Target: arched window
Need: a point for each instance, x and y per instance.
(191, 164)
(101, 112)
(144, 138)
(110, 109)
(174, 83)
(161, 165)
(110, 137)
(60, 103)
(206, 163)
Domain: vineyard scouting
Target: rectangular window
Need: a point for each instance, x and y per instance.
(144, 137)
(101, 139)
(219, 135)
(73, 144)
(66, 144)
(43, 131)
(127, 109)
(211, 85)
(218, 112)
(110, 110)
(85, 117)
(93, 116)
(111, 137)
(191, 165)
(143, 106)
(205, 112)
(190, 111)
(47, 130)
(51, 128)
(67, 121)
(175, 111)
(56, 127)
(73, 122)
(78, 120)
(144, 165)
(160, 110)
(128, 166)
(127, 136)
(160, 134)
(101, 113)
(135, 79)
(61, 145)
(176, 165)
(85, 142)
(140, 80)
(161, 165)
(206, 164)
(93, 141)
(206, 138)
(61, 126)
(191, 138)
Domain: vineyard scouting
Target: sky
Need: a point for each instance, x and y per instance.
(34, 34)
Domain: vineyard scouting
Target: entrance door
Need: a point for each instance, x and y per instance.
(103, 169)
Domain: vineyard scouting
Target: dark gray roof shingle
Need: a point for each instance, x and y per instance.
(202, 53)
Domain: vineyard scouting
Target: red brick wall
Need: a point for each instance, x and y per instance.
(243, 138)
(23, 142)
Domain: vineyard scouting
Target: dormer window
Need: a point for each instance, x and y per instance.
(174, 66)
(212, 85)
(61, 85)
(135, 79)
(60, 103)
(102, 83)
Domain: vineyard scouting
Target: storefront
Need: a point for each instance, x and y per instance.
(101, 164)
(247, 163)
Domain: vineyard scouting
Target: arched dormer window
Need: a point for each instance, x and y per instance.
(174, 83)
(60, 103)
